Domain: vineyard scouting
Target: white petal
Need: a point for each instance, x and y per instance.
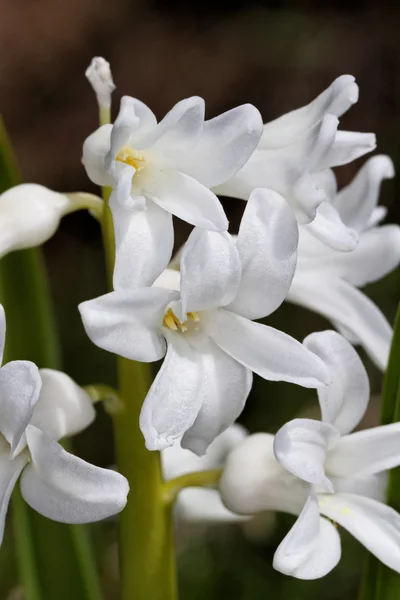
(94, 152)
(343, 402)
(196, 505)
(225, 386)
(326, 181)
(372, 486)
(144, 241)
(169, 279)
(178, 461)
(330, 229)
(366, 452)
(348, 146)
(267, 245)
(210, 271)
(336, 100)
(2, 332)
(125, 124)
(30, 215)
(177, 133)
(128, 322)
(341, 302)
(376, 255)
(253, 481)
(65, 488)
(226, 144)
(174, 399)
(356, 201)
(378, 214)
(63, 408)
(301, 447)
(10, 470)
(312, 547)
(187, 199)
(270, 353)
(372, 523)
(20, 385)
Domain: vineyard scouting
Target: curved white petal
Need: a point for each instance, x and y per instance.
(343, 303)
(128, 322)
(63, 408)
(10, 470)
(267, 245)
(343, 402)
(144, 241)
(330, 229)
(94, 152)
(65, 488)
(20, 385)
(210, 271)
(225, 386)
(147, 124)
(124, 126)
(376, 255)
(326, 181)
(187, 199)
(178, 461)
(312, 547)
(365, 452)
(357, 201)
(270, 353)
(176, 133)
(372, 523)
(301, 447)
(226, 144)
(348, 146)
(336, 100)
(373, 486)
(253, 481)
(169, 279)
(174, 399)
(30, 215)
(197, 505)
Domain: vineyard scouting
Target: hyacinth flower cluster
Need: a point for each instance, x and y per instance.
(204, 314)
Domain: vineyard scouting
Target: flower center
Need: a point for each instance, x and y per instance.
(171, 321)
(131, 157)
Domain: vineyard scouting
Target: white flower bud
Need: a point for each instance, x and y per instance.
(100, 78)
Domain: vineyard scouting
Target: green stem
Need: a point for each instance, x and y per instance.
(146, 536)
(26, 553)
(196, 479)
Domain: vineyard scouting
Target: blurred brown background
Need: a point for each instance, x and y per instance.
(278, 55)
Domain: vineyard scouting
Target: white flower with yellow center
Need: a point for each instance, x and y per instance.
(319, 469)
(326, 280)
(162, 169)
(293, 154)
(38, 408)
(204, 316)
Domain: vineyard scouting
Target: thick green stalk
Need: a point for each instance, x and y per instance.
(146, 537)
(55, 560)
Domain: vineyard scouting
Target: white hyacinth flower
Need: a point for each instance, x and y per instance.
(30, 214)
(326, 281)
(319, 469)
(196, 504)
(162, 169)
(293, 152)
(37, 409)
(203, 317)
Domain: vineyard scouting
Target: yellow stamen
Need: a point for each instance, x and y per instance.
(131, 157)
(171, 321)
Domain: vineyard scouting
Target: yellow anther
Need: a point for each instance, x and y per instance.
(171, 321)
(131, 157)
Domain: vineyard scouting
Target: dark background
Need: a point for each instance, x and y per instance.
(277, 55)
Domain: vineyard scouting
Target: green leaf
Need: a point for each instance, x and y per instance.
(379, 582)
(55, 560)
